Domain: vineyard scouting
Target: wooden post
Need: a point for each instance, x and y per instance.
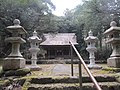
(71, 53)
(80, 75)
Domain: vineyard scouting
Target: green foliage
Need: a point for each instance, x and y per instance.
(97, 14)
(103, 54)
(94, 15)
(33, 14)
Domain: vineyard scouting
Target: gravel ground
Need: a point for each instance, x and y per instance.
(65, 70)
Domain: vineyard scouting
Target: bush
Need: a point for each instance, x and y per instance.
(103, 54)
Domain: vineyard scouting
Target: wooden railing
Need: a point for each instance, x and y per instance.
(81, 61)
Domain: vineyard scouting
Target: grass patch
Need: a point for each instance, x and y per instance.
(113, 70)
(26, 84)
(101, 72)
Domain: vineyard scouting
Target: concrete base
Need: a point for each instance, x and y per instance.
(34, 68)
(95, 66)
(113, 62)
(13, 63)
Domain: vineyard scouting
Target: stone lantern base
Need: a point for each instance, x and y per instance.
(95, 66)
(13, 63)
(113, 62)
(34, 68)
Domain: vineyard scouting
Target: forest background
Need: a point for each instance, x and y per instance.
(94, 15)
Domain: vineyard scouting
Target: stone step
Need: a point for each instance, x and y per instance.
(85, 79)
(74, 86)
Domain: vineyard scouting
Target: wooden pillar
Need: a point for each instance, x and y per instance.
(55, 52)
(62, 52)
(48, 53)
(69, 51)
(71, 55)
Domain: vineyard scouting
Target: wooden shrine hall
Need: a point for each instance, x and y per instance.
(57, 45)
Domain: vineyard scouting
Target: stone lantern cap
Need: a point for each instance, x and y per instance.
(112, 29)
(113, 33)
(16, 27)
(91, 38)
(34, 38)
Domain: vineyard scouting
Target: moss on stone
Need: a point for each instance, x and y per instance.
(22, 72)
(1, 71)
(9, 73)
(19, 72)
(4, 82)
(110, 69)
(102, 72)
(118, 78)
(26, 84)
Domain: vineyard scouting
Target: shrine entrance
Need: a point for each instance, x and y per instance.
(57, 45)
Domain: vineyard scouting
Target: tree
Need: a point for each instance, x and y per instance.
(33, 14)
(96, 15)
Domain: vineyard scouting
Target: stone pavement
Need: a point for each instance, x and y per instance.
(63, 70)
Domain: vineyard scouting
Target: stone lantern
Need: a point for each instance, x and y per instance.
(113, 37)
(15, 60)
(91, 40)
(34, 43)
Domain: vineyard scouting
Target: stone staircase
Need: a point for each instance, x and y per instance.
(71, 83)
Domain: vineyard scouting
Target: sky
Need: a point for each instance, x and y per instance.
(61, 5)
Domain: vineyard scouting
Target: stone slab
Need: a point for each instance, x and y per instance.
(13, 63)
(113, 62)
(34, 68)
(61, 69)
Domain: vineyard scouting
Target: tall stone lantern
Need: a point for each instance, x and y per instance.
(15, 60)
(113, 37)
(34, 43)
(91, 40)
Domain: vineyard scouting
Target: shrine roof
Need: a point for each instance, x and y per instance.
(59, 39)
